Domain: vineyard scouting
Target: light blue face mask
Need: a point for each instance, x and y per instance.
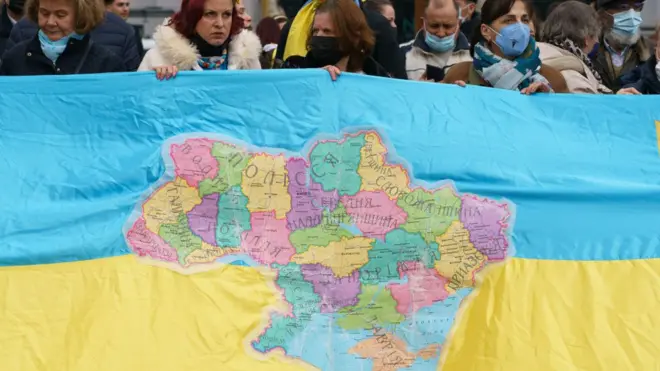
(627, 23)
(53, 49)
(440, 44)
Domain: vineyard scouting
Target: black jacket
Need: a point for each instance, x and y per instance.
(635, 56)
(648, 82)
(114, 34)
(5, 28)
(27, 58)
(386, 54)
(471, 26)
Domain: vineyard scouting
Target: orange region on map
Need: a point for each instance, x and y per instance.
(375, 174)
(265, 183)
(343, 257)
(208, 253)
(387, 351)
(168, 203)
(431, 351)
(459, 259)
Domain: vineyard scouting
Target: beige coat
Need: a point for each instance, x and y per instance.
(578, 76)
(172, 49)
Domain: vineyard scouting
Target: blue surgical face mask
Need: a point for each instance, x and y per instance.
(53, 49)
(627, 23)
(513, 39)
(440, 44)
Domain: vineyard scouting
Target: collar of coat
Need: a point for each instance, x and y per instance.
(179, 51)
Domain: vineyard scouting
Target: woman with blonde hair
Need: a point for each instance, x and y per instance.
(62, 46)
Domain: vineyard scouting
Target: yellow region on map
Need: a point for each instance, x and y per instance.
(168, 203)
(265, 183)
(376, 176)
(343, 257)
(459, 259)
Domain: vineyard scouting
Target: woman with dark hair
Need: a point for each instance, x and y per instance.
(505, 53)
(203, 35)
(268, 31)
(340, 40)
(384, 7)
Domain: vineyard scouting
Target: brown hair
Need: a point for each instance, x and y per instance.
(355, 38)
(89, 14)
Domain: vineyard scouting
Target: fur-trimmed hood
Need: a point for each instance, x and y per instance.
(244, 49)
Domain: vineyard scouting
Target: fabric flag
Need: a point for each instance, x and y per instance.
(250, 220)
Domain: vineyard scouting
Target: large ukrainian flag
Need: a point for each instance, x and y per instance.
(76, 154)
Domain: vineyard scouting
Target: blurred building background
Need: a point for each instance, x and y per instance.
(150, 13)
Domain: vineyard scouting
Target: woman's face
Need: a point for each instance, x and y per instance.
(387, 11)
(57, 18)
(323, 25)
(517, 14)
(215, 24)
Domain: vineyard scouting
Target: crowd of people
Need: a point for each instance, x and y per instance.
(582, 46)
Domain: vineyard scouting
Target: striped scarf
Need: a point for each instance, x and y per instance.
(505, 74)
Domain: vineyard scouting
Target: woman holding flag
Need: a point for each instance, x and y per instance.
(203, 35)
(62, 46)
(505, 55)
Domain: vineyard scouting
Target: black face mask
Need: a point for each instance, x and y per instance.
(324, 51)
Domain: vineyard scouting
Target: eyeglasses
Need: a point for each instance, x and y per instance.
(625, 6)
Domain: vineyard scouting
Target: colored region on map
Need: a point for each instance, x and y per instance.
(371, 265)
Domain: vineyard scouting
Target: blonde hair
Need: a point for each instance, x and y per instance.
(89, 14)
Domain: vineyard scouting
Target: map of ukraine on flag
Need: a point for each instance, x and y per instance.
(331, 226)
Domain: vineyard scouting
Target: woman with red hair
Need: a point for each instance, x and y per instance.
(203, 35)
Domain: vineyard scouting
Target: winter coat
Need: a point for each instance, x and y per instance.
(635, 56)
(173, 49)
(80, 56)
(465, 72)
(418, 55)
(114, 34)
(5, 28)
(647, 82)
(579, 78)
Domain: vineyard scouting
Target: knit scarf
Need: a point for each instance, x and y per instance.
(505, 74)
(570, 47)
(210, 57)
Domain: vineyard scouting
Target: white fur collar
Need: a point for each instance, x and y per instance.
(178, 51)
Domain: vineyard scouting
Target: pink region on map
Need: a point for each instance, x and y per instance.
(193, 160)
(144, 242)
(308, 199)
(268, 240)
(335, 292)
(203, 218)
(425, 286)
(486, 221)
(374, 213)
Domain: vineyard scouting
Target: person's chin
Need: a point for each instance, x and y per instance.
(54, 36)
(217, 41)
(623, 40)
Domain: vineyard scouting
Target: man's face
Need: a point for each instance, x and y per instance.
(621, 6)
(441, 21)
(243, 14)
(467, 8)
(120, 7)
